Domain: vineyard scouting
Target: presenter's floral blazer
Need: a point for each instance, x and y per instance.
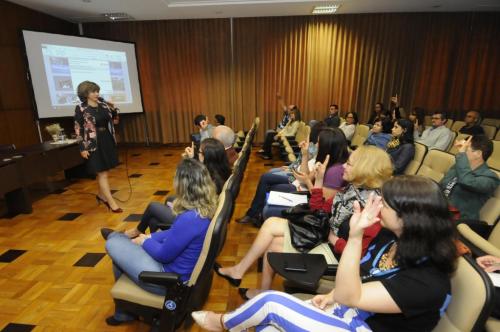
(85, 125)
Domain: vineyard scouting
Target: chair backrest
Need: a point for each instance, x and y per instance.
(457, 125)
(435, 165)
(453, 137)
(303, 132)
(360, 135)
(213, 239)
(489, 131)
(490, 211)
(427, 120)
(454, 150)
(471, 300)
(494, 160)
(495, 122)
(494, 237)
(449, 123)
(414, 165)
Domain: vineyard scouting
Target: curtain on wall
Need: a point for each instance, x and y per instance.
(446, 62)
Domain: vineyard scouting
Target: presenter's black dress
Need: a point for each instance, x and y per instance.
(105, 157)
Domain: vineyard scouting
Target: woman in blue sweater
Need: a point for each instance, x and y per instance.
(174, 250)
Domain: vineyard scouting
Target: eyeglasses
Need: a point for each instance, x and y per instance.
(349, 117)
(436, 118)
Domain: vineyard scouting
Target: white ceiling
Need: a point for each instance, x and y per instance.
(92, 10)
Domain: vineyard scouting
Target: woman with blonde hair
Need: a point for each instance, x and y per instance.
(366, 171)
(174, 250)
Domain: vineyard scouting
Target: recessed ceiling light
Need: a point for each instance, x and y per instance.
(329, 9)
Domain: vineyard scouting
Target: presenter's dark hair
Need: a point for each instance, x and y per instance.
(428, 234)
(199, 118)
(85, 88)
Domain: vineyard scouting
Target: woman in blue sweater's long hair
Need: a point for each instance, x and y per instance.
(174, 250)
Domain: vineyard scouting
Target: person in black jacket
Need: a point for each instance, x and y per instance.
(333, 119)
(401, 147)
(472, 126)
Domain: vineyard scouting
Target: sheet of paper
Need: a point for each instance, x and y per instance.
(495, 278)
(285, 199)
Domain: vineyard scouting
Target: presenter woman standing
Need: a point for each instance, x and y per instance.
(96, 136)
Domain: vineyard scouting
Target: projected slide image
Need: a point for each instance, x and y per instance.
(67, 66)
(63, 83)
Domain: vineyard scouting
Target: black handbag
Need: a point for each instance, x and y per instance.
(308, 228)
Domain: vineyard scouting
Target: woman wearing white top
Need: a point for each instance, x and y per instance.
(349, 126)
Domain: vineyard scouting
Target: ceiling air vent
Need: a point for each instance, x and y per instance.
(117, 16)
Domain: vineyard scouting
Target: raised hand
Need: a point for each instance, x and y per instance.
(463, 144)
(361, 220)
(189, 151)
(321, 168)
(304, 147)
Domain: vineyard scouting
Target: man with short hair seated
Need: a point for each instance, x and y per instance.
(226, 135)
(470, 183)
(201, 121)
(472, 126)
(437, 136)
(333, 119)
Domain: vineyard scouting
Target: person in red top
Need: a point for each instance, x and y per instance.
(366, 170)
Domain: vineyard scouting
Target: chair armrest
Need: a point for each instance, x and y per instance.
(477, 244)
(166, 279)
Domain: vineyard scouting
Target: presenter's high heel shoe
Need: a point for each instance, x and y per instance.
(100, 200)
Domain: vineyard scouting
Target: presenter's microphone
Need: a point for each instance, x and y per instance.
(101, 99)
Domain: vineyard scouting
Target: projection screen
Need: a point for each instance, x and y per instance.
(58, 63)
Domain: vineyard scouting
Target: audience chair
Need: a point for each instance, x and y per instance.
(495, 122)
(449, 123)
(452, 140)
(478, 244)
(490, 212)
(494, 160)
(435, 165)
(457, 125)
(169, 312)
(427, 120)
(497, 136)
(471, 300)
(414, 165)
(360, 135)
(490, 131)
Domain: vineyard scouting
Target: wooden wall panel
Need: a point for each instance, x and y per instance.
(16, 110)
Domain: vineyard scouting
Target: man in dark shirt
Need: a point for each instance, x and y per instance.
(472, 126)
(333, 119)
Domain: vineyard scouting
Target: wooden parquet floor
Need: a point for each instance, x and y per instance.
(43, 287)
